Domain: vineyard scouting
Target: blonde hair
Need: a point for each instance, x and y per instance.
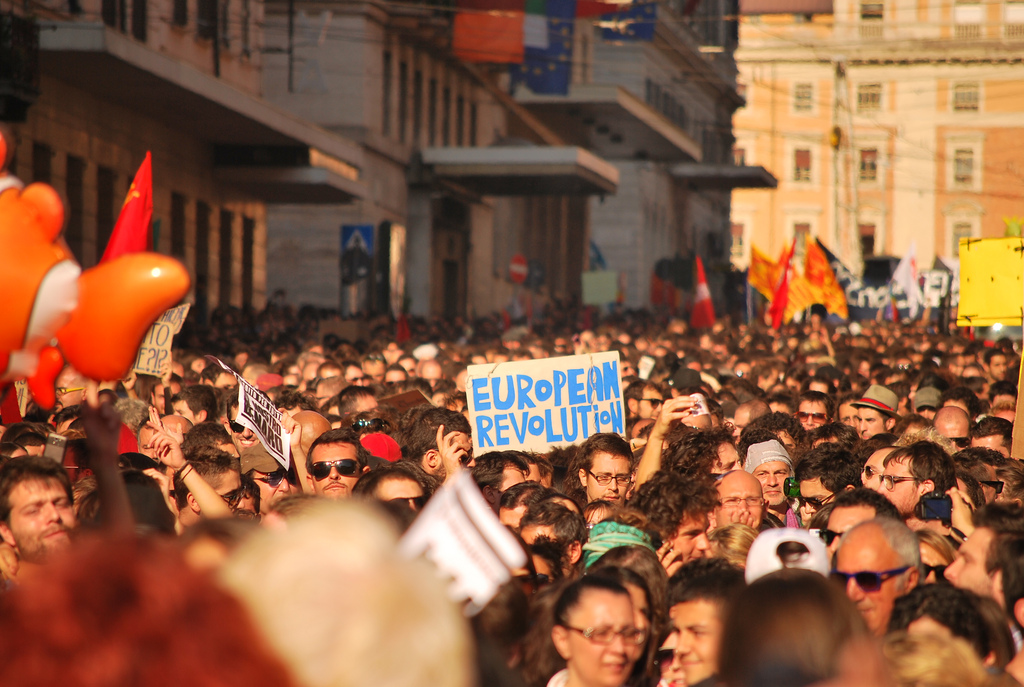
(927, 434)
(343, 609)
(732, 542)
(937, 543)
(926, 660)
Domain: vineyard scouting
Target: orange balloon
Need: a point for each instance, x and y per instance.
(118, 301)
(41, 383)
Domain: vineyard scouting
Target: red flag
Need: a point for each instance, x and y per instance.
(781, 296)
(402, 333)
(132, 232)
(703, 313)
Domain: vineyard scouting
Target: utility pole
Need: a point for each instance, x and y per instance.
(835, 141)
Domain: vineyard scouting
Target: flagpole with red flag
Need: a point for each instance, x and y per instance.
(781, 296)
(703, 314)
(132, 233)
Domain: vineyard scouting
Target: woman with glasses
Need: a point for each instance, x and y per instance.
(595, 633)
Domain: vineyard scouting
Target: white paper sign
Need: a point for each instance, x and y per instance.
(460, 533)
(536, 404)
(154, 356)
(258, 413)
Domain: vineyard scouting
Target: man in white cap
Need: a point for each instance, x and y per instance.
(771, 464)
(876, 411)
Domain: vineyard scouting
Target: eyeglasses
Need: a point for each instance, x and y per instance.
(829, 536)
(414, 502)
(868, 472)
(890, 481)
(939, 570)
(736, 502)
(994, 484)
(961, 442)
(606, 635)
(654, 401)
(273, 479)
(816, 502)
(605, 480)
(346, 468)
(61, 390)
(868, 580)
(371, 425)
(817, 417)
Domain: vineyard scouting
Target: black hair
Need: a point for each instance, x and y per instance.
(705, 579)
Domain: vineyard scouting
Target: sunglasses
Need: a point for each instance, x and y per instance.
(829, 536)
(346, 468)
(868, 580)
(961, 442)
(993, 484)
(236, 428)
(816, 502)
(414, 502)
(273, 479)
(655, 402)
(939, 570)
(664, 657)
(818, 417)
(371, 425)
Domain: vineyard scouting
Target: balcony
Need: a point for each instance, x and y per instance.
(19, 66)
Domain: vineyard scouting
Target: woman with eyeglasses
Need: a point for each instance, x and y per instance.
(595, 632)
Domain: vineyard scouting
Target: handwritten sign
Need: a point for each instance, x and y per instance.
(154, 356)
(534, 405)
(257, 412)
(459, 532)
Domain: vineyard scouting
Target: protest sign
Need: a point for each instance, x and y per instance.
(404, 401)
(154, 356)
(534, 405)
(991, 282)
(459, 532)
(257, 412)
(600, 287)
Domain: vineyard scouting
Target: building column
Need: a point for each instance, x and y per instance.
(419, 251)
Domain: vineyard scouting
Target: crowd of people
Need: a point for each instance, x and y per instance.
(822, 505)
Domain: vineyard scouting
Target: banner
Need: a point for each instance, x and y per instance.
(257, 412)
(537, 404)
(154, 356)
(463, 537)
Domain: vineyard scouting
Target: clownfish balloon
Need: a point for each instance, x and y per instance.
(53, 311)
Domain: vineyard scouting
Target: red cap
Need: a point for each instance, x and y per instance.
(382, 446)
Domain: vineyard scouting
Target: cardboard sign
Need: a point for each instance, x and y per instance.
(600, 288)
(404, 401)
(460, 533)
(534, 405)
(257, 412)
(991, 282)
(154, 356)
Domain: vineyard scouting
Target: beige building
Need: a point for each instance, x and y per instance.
(886, 124)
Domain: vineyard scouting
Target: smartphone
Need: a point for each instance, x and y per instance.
(701, 407)
(56, 447)
(935, 506)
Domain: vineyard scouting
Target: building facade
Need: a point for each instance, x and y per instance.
(886, 123)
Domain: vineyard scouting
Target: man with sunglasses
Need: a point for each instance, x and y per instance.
(335, 462)
(815, 409)
(850, 508)
(954, 424)
(822, 473)
(270, 477)
(877, 561)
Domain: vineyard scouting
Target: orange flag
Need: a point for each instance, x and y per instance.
(780, 295)
(763, 274)
(819, 274)
(132, 232)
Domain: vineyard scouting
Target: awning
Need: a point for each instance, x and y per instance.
(724, 176)
(522, 170)
(613, 122)
(118, 69)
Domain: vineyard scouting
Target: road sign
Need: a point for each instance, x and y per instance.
(356, 252)
(518, 268)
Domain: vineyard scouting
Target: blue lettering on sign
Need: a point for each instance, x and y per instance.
(536, 425)
(482, 435)
(500, 427)
(594, 386)
(582, 412)
(559, 382)
(520, 429)
(576, 387)
(616, 413)
(523, 386)
(551, 436)
(478, 387)
(611, 380)
(566, 414)
(510, 398)
(543, 390)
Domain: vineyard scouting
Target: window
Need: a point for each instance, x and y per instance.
(867, 239)
(75, 191)
(139, 20)
(472, 124)
(179, 15)
(871, 16)
(225, 257)
(432, 112)
(403, 99)
(105, 207)
(206, 19)
(869, 164)
(968, 18)
(417, 106)
(963, 167)
(739, 157)
(460, 120)
(385, 105)
(737, 240)
(248, 237)
(42, 157)
(1013, 20)
(965, 97)
(803, 97)
(802, 165)
(869, 97)
(802, 233)
(961, 230)
(202, 265)
(446, 117)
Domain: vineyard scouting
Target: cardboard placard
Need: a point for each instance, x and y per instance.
(460, 533)
(154, 357)
(404, 401)
(537, 404)
(991, 282)
(257, 412)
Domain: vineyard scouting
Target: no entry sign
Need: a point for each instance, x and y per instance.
(518, 268)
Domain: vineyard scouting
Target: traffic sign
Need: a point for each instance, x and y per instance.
(518, 268)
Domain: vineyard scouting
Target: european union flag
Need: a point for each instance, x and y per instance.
(549, 70)
(635, 23)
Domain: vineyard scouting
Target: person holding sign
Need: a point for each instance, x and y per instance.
(335, 463)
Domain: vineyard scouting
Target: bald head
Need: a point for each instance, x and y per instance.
(747, 413)
(177, 422)
(313, 425)
(952, 422)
